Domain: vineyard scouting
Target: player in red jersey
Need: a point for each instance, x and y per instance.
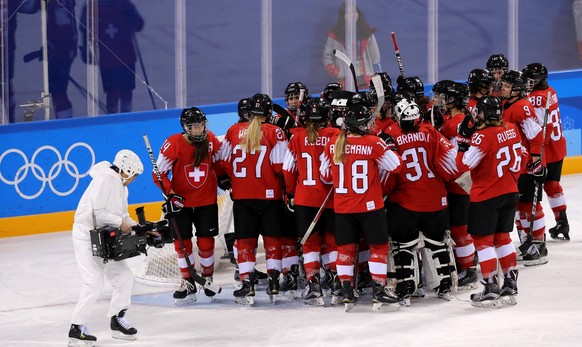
(253, 157)
(555, 148)
(479, 82)
(193, 158)
(518, 110)
(307, 193)
(453, 99)
(497, 64)
(296, 93)
(495, 160)
(355, 161)
(418, 201)
(385, 117)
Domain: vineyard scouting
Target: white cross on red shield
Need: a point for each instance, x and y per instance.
(196, 176)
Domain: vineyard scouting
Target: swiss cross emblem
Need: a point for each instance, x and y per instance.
(196, 176)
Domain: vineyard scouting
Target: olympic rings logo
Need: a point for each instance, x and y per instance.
(40, 173)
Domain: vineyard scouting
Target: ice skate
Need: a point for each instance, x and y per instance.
(508, 294)
(468, 279)
(536, 254)
(79, 336)
(404, 290)
(187, 292)
(273, 287)
(364, 281)
(562, 229)
(443, 291)
(313, 295)
(384, 298)
(121, 328)
(489, 297)
(335, 289)
(349, 295)
(245, 295)
(290, 284)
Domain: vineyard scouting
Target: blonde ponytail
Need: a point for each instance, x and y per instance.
(312, 134)
(339, 148)
(252, 139)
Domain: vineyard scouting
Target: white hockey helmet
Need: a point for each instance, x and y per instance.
(127, 161)
(407, 113)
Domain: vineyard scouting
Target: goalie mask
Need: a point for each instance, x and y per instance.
(129, 163)
(194, 124)
(359, 120)
(488, 110)
(408, 114)
(534, 73)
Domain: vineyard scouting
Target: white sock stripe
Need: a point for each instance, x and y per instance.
(183, 264)
(332, 256)
(311, 257)
(378, 268)
(207, 262)
(505, 250)
(325, 258)
(274, 264)
(465, 251)
(557, 201)
(287, 262)
(345, 270)
(539, 224)
(486, 254)
(246, 267)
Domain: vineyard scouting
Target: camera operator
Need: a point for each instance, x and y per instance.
(104, 203)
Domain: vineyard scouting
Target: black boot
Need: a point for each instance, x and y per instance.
(562, 229)
(384, 294)
(489, 297)
(121, 328)
(290, 279)
(509, 289)
(187, 292)
(273, 287)
(313, 294)
(349, 296)
(79, 336)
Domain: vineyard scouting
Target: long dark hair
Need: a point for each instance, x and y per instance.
(363, 28)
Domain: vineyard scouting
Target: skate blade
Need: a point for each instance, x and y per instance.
(121, 336)
(540, 261)
(289, 295)
(348, 306)
(76, 342)
(336, 300)
(187, 300)
(314, 302)
(273, 298)
(326, 293)
(468, 286)
(245, 300)
(487, 303)
(385, 307)
(405, 302)
(444, 296)
(508, 300)
(560, 237)
(418, 293)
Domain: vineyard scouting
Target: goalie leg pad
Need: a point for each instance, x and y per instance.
(439, 263)
(405, 260)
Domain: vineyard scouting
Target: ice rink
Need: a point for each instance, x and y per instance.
(39, 285)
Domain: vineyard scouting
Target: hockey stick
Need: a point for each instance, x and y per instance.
(377, 82)
(343, 57)
(197, 278)
(316, 219)
(143, 70)
(537, 185)
(397, 52)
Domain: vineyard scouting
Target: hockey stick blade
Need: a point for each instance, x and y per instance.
(397, 52)
(343, 57)
(377, 82)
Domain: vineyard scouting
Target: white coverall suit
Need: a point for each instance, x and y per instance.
(107, 196)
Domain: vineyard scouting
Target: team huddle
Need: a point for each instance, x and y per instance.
(389, 191)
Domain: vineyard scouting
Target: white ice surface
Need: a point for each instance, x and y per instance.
(39, 285)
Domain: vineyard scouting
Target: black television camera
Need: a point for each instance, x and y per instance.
(110, 243)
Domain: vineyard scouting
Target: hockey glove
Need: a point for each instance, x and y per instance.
(464, 146)
(173, 204)
(465, 128)
(537, 171)
(332, 70)
(224, 183)
(291, 202)
(389, 139)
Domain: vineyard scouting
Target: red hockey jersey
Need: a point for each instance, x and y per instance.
(522, 114)
(555, 144)
(451, 132)
(255, 174)
(198, 185)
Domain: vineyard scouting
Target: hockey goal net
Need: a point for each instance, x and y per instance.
(160, 266)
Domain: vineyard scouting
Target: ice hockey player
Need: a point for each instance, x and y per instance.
(518, 110)
(253, 157)
(479, 81)
(497, 64)
(354, 162)
(307, 193)
(555, 148)
(495, 158)
(192, 157)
